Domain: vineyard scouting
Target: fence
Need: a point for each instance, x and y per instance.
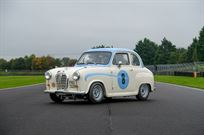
(185, 69)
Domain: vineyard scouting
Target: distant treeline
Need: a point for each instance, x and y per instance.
(150, 52)
(33, 62)
(167, 53)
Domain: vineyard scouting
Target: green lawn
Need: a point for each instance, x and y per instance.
(181, 80)
(15, 81)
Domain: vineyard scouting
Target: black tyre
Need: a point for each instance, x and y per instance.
(96, 93)
(56, 98)
(143, 92)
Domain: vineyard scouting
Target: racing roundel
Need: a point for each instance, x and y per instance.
(123, 79)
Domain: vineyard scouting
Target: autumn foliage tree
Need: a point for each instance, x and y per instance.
(33, 62)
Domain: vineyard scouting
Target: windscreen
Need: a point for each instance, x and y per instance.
(95, 58)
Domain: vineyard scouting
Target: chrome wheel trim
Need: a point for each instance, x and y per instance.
(97, 92)
(144, 91)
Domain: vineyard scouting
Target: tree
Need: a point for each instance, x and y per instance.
(196, 49)
(178, 56)
(200, 45)
(28, 62)
(182, 55)
(37, 63)
(164, 52)
(147, 50)
(192, 51)
(72, 62)
(48, 62)
(17, 64)
(65, 61)
(101, 46)
(58, 62)
(3, 64)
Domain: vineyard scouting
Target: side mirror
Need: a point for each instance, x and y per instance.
(120, 63)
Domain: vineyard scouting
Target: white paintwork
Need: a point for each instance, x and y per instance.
(106, 74)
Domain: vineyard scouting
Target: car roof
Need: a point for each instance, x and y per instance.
(113, 50)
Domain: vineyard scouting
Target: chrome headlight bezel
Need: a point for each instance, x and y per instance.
(76, 76)
(48, 75)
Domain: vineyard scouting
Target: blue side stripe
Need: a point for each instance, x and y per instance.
(99, 74)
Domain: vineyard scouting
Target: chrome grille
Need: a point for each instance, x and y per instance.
(61, 81)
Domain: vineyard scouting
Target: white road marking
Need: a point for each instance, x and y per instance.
(22, 86)
(191, 88)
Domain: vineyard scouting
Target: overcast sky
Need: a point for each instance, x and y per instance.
(68, 27)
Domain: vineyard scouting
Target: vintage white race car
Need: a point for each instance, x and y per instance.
(99, 74)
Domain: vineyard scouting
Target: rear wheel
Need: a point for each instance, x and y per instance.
(96, 93)
(56, 98)
(143, 92)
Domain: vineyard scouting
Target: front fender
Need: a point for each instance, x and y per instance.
(93, 81)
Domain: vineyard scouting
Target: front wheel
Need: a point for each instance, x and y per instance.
(56, 98)
(96, 93)
(143, 92)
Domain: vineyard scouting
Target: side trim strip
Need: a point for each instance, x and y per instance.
(98, 74)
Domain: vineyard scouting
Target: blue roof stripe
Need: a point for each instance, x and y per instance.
(109, 49)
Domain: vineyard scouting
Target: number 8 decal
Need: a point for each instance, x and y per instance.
(123, 79)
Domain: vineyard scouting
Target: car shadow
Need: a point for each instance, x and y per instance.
(106, 101)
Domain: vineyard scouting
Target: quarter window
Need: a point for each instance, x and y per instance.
(134, 59)
(123, 57)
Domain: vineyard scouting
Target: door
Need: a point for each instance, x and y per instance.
(136, 72)
(123, 72)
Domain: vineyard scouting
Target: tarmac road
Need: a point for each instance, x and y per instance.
(171, 110)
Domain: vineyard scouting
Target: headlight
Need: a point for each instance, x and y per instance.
(76, 76)
(48, 75)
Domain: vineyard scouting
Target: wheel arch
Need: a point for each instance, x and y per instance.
(150, 87)
(97, 81)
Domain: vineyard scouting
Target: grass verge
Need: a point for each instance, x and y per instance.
(181, 80)
(21, 73)
(16, 81)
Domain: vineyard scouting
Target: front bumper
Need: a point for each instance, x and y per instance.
(62, 91)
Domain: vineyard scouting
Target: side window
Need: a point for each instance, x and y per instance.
(134, 60)
(123, 57)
